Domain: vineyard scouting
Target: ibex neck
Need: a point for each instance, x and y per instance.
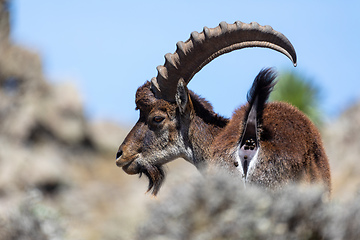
(204, 126)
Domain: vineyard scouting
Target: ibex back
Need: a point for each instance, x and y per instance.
(271, 144)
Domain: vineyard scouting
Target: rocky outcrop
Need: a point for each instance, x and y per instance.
(342, 143)
(47, 145)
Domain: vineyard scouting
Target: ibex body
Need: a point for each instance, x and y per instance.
(175, 122)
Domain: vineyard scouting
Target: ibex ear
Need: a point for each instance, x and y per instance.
(182, 95)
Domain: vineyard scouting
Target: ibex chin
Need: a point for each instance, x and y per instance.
(266, 144)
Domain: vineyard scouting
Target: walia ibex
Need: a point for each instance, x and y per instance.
(266, 144)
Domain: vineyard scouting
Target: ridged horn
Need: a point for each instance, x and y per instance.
(201, 48)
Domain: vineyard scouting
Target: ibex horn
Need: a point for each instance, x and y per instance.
(201, 48)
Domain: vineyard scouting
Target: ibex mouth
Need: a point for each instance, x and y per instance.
(128, 164)
(126, 160)
(131, 168)
(154, 173)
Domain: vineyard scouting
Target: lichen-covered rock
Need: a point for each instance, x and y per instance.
(31, 221)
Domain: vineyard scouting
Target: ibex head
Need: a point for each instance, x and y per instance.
(174, 122)
(153, 141)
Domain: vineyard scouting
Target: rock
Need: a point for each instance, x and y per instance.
(106, 136)
(342, 140)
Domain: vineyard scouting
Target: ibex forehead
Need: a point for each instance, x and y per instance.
(144, 98)
(146, 101)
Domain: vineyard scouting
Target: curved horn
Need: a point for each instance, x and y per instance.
(201, 48)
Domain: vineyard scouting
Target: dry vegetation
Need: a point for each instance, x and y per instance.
(58, 178)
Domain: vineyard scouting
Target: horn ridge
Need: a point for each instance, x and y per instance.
(201, 48)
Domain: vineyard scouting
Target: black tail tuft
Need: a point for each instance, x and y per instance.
(261, 89)
(257, 96)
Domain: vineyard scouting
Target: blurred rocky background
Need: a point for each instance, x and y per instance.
(58, 178)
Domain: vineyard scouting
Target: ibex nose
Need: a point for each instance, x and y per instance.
(118, 156)
(119, 153)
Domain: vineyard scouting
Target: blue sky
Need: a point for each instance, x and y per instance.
(109, 48)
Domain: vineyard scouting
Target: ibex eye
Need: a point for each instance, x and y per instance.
(158, 119)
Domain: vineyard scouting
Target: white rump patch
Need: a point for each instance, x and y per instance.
(251, 166)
